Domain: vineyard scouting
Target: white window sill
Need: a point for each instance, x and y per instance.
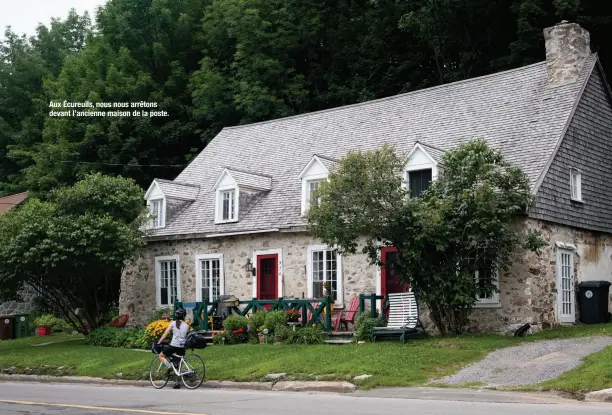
(577, 200)
(221, 222)
(487, 305)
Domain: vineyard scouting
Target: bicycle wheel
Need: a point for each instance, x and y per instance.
(158, 373)
(196, 371)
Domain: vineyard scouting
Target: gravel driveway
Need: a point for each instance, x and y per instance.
(530, 363)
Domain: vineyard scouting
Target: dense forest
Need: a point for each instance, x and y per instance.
(217, 63)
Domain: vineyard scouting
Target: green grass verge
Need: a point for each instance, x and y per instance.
(389, 363)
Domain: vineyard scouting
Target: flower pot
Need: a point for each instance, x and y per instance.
(277, 340)
(260, 337)
(43, 331)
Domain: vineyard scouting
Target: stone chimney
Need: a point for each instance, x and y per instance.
(567, 48)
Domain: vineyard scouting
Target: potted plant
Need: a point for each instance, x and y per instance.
(260, 334)
(44, 324)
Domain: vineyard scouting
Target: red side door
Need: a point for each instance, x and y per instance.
(389, 274)
(267, 277)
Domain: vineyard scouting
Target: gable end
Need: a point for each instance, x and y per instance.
(587, 147)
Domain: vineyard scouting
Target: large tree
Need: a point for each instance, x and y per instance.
(71, 249)
(464, 223)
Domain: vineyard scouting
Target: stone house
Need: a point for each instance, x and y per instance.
(27, 296)
(240, 203)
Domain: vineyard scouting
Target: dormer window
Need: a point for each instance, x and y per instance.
(237, 191)
(157, 211)
(422, 168)
(228, 198)
(312, 175)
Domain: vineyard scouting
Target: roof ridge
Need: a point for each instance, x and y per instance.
(389, 98)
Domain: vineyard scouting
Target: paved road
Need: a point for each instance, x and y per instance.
(67, 399)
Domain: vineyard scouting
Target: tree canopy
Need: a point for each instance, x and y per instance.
(217, 63)
(71, 248)
(463, 224)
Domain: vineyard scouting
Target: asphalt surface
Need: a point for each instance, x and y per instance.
(70, 399)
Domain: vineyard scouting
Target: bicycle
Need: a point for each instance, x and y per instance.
(188, 370)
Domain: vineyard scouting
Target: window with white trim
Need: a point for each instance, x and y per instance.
(324, 268)
(157, 211)
(210, 277)
(167, 282)
(313, 186)
(483, 275)
(228, 204)
(576, 184)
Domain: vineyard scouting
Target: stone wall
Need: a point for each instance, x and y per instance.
(527, 289)
(138, 282)
(24, 305)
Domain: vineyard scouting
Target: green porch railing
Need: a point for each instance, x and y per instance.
(372, 298)
(319, 310)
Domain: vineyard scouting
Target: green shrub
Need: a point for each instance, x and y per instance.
(52, 322)
(274, 320)
(257, 320)
(235, 323)
(306, 335)
(123, 338)
(364, 324)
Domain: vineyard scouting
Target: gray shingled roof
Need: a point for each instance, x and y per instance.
(175, 190)
(514, 111)
(250, 180)
(434, 152)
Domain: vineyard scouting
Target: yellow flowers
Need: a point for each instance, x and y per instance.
(157, 328)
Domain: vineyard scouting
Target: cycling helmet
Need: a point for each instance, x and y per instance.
(180, 314)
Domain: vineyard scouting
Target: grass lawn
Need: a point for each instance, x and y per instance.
(389, 363)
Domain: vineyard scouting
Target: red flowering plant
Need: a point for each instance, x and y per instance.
(292, 315)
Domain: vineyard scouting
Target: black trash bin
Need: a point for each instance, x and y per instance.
(593, 299)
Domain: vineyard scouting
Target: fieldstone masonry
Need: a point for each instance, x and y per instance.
(24, 305)
(527, 290)
(567, 48)
(138, 282)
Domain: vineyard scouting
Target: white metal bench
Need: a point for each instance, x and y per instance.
(403, 317)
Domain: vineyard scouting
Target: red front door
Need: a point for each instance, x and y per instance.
(267, 277)
(389, 274)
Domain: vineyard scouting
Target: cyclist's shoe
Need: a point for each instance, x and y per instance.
(177, 386)
(170, 372)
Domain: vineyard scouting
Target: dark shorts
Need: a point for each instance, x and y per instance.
(170, 350)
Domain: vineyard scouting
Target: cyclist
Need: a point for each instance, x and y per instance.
(177, 345)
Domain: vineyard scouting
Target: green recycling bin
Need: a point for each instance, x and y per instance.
(22, 325)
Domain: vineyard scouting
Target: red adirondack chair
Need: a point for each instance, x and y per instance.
(351, 312)
(119, 321)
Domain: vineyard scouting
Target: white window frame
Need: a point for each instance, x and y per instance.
(413, 165)
(306, 190)
(576, 184)
(219, 204)
(158, 261)
(207, 257)
(492, 302)
(564, 317)
(158, 222)
(340, 286)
